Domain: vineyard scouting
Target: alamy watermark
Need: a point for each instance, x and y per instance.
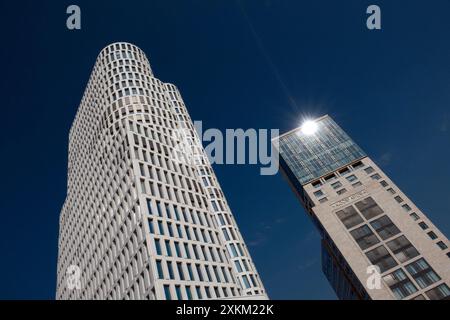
(233, 146)
(373, 281)
(73, 281)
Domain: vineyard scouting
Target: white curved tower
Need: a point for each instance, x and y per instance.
(144, 216)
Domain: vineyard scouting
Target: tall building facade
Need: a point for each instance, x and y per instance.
(370, 229)
(144, 216)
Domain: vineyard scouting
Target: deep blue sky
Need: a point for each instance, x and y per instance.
(261, 64)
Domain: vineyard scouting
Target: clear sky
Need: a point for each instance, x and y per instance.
(247, 64)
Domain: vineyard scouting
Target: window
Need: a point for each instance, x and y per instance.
(199, 292)
(180, 270)
(349, 217)
(342, 191)
(318, 193)
(170, 269)
(439, 293)
(442, 245)
(384, 227)
(375, 176)
(336, 185)
(400, 284)
(398, 199)
(357, 165)
(344, 171)
(178, 292)
(323, 200)
(316, 184)
(406, 207)
(423, 225)
(364, 237)
(330, 177)
(167, 292)
(384, 183)
(168, 248)
(381, 258)
(160, 269)
(369, 208)
(421, 271)
(369, 170)
(432, 235)
(390, 190)
(419, 297)
(246, 283)
(188, 293)
(402, 248)
(414, 216)
(158, 247)
(352, 178)
(357, 184)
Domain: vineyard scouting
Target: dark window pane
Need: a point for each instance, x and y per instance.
(421, 271)
(403, 249)
(385, 227)
(369, 208)
(381, 258)
(364, 237)
(439, 293)
(400, 284)
(349, 217)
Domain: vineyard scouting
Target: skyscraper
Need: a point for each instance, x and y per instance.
(376, 244)
(144, 216)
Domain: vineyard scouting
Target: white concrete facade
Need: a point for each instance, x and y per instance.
(141, 219)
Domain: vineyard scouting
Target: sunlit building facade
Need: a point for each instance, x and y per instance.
(368, 226)
(144, 216)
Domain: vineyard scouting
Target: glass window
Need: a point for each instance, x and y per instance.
(398, 199)
(432, 235)
(423, 225)
(442, 245)
(384, 183)
(178, 292)
(352, 178)
(385, 227)
(342, 191)
(364, 237)
(323, 200)
(318, 193)
(392, 191)
(357, 165)
(402, 248)
(375, 176)
(439, 293)
(167, 292)
(400, 284)
(160, 269)
(381, 258)
(188, 293)
(369, 170)
(368, 208)
(414, 216)
(357, 184)
(316, 184)
(336, 185)
(421, 271)
(406, 207)
(158, 247)
(349, 217)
